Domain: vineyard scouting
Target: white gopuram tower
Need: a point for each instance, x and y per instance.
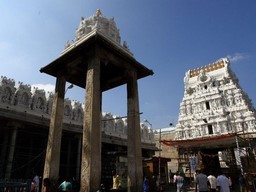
(216, 128)
(214, 104)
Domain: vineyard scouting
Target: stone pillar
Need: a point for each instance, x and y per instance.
(30, 153)
(3, 153)
(135, 169)
(52, 157)
(8, 170)
(78, 161)
(91, 147)
(69, 148)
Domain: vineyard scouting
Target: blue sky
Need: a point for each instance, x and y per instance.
(167, 36)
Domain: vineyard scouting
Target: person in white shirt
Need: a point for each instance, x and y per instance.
(213, 182)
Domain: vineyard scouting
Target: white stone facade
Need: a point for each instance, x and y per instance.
(22, 98)
(97, 24)
(214, 104)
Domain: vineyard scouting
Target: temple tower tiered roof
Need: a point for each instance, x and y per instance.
(214, 104)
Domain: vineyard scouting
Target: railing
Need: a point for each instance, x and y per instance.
(15, 186)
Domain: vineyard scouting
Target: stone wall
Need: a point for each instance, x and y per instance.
(32, 100)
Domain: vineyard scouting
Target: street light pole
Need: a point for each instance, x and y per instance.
(159, 161)
(146, 121)
(159, 158)
(69, 87)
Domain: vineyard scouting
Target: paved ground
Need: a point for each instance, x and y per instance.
(172, 188)
(188, 189)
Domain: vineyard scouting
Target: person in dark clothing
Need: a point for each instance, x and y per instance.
(46, 185)
(146, 184)
(202, 181)
(242, 183)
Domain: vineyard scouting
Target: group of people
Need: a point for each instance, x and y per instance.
(68, 186)
(47, 186)
(205, 183)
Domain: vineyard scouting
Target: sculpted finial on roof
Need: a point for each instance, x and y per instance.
(98, 13)
(96, 23)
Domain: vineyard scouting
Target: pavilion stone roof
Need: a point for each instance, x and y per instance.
(116, 59)
(98, 23)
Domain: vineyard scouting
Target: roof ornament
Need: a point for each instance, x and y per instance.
(67, 44)
(98, 13)
(125, 45)
(96, 23)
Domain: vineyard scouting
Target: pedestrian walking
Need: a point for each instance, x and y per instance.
(66, 186)
(242, 183)
(223, 183)
(202, 182)
(46, 185)
(212, 182)
(146, 184)
(179, 180)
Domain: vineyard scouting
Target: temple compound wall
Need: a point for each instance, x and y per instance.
(25, 113)
(32, 100)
